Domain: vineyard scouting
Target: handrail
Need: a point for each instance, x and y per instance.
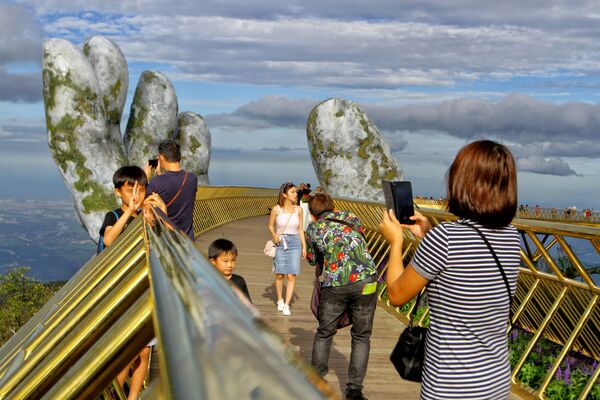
(106, 286)
(99, 321)
(586, 216)
(208, 334)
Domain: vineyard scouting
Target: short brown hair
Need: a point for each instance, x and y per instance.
(482, 184)
(320, 203)
(283, 189)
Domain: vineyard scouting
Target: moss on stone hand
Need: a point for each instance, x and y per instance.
(85, 98)
(390, 175)
(64, 132)
(136, 118)
(86, 49)
(138, 111)
(115, 89)
(367, 141)
(64, 149)
(375, 179)
(330, 153)
(148, 76)
(327, 174)
(113, 116)
(99, 200)
(194, 144)
(313, 136)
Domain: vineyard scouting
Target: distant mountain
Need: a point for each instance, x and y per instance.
(44, 236)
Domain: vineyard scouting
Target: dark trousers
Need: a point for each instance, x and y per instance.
(361, 308)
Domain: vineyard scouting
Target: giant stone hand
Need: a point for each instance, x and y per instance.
(84, 97)
(349, 154)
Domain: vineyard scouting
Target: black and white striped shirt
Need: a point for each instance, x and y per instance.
(466, 354)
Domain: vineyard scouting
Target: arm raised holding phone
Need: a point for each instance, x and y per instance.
(402, 283)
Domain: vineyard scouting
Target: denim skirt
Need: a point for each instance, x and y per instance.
(288, 261)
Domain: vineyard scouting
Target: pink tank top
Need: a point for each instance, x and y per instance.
(282, 219)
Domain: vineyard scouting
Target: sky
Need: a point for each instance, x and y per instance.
(432, 75)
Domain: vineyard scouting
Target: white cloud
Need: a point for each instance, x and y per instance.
(546, 166)
(515, 118)
(396, 140)
(274, 44)
(22, 131)
(266, 112)
(283, 149)
(539, 133)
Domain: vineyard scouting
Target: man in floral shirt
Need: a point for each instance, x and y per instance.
(335, 239)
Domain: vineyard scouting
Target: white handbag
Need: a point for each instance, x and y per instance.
(270, 249)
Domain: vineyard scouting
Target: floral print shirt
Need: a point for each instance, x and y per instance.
(346, 258)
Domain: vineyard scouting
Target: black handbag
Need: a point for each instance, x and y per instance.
(409, 353)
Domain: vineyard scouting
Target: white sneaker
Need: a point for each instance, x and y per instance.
(280, 304)
(286, 310)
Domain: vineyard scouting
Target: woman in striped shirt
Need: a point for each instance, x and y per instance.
(466, 351)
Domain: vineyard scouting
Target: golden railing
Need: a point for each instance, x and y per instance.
(153, 280)
(547, 303)
(93, 324)
(585, 217)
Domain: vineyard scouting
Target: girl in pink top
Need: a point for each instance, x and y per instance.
(288, 234)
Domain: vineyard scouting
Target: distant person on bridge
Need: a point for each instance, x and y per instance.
(466, 351)
(335, 239)
(176, 187)
(288, 234)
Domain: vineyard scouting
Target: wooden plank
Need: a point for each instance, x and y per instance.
(381, 381)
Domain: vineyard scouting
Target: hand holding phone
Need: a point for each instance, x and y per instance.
(153, 162)
(398, 197)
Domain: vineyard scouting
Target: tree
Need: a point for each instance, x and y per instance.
(21, 296)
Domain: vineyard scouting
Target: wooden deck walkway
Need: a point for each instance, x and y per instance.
(381, 383)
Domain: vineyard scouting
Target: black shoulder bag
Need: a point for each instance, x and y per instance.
(409, 353)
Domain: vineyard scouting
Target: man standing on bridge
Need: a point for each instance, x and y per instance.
(176, 187)
(336, 241)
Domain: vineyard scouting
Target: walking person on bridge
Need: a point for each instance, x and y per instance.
(336, 240)
(470, 268)
(287, 231)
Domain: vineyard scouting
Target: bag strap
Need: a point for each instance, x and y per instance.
(353, 227)
(489, 246)
(417, 302)
(288, 221)
(179, 191)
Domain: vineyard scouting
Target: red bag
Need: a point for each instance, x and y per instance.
(314, 306)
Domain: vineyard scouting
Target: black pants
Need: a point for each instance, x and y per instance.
(361, 308)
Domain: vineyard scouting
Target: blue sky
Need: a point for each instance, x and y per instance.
(431, 74)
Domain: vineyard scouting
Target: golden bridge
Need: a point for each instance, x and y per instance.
(154, 281)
